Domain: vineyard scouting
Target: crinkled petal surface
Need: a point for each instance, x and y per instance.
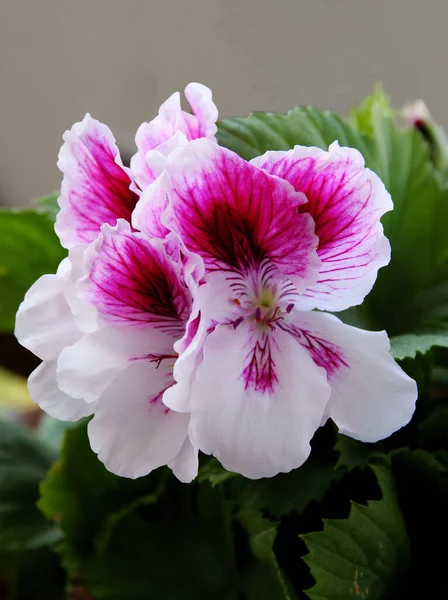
(235, 215)
(371, 396)
(45, 392)
(44, 323)
(256, 401)
(95, 186)
(346, 201)
(160, 133)
(132, 431)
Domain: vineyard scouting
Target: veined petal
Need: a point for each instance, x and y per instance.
(88, 367)
(95, 187)
(256, 401)
(44, 322)
(371, 396)
(132, 431)
(235, 216)
(346, 201)
(160, 133)
(45, 392)
(132, 281)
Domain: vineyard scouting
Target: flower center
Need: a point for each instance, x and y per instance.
(263, 308)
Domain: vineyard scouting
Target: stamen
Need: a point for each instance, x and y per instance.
(237, 301)
(237, 322)
(289, 308)
(258, 314)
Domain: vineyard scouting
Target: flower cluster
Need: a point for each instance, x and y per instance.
(192, 311)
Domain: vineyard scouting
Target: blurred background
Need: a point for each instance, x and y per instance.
(119, 59)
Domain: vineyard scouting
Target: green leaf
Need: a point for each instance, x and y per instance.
(433, 429)
(364, 556)
(254, 135)
(28, 249)
(409, 344)
(166, 554)
(48, 205)
(287, 492)
(353, 453)
(363, 117)
(24, 462)
(80, 494)
(262, 578)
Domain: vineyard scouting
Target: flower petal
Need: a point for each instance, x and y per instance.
(88, 367)
(160, 133)
(346, 201)
(44, 323)
(256, 401)
(132, 281)
(185, 465)
(235, 216)
(371, 396)
(132, 431)
(45, 392)
(95, 187)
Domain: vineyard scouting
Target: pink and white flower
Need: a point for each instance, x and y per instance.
(119, 369)
(97, 188)
(262, 374)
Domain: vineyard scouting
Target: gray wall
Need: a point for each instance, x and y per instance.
(118, 59)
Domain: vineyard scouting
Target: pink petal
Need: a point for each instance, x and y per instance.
(236, 216)
(346, 201)
(95, 187)
(134, 282)
(161, 132)
(371, 396)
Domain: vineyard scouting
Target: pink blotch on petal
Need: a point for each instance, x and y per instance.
(95, 186)
(235, 216)
(133, 282)
(346, 201)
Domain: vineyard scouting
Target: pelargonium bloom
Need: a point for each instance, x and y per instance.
(97, 188)
(118, 369)
(172, 127)
(264, 372)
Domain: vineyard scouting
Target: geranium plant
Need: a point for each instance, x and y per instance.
(243, 376)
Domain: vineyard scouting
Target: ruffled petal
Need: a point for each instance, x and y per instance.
(132, 281)
(88, 367)
(371, 396)
(132, 431)
(95, 187)
(162, 133)
(45, 392)
(256, 401)
(346, 201)
(44, 323)
(236, 216)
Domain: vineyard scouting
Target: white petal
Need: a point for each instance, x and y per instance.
(44, 323)
(185, 465)
(132, 430)
(87, 368)
(44, 390)
(256, 408)
(371, 396)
